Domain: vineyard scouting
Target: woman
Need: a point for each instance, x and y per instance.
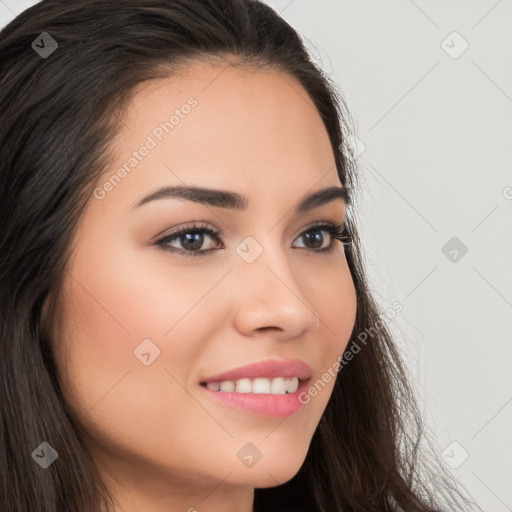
(134, 135)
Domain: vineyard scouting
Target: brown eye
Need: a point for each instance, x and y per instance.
(191, 240)
(315, 239)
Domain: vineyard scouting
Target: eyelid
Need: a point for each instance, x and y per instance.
(323, 222)
(195, 227)
(191, 226)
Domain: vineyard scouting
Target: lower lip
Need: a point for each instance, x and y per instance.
(275, 406)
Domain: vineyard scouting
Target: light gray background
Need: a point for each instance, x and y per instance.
(436, 131)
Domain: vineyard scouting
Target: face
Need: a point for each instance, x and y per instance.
(149, 315)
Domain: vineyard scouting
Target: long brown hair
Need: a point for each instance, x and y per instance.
(59, 111)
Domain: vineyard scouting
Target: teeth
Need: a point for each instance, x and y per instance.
(278, 387)
(243, 386)
(227, 385)
(275, 386)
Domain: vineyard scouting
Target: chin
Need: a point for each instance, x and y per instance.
(278, 476)
(274, 472)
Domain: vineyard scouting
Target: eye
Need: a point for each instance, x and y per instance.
(313, 235)
(191, 238)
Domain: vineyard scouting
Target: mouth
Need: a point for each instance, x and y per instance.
(258, 386)
(266, 398)
(255, 376)
(267, 388)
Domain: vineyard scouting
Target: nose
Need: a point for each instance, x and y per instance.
(269, 297)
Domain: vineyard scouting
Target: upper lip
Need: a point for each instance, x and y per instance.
(270, 368)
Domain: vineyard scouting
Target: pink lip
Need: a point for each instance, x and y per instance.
(270, 368)
(275, 406)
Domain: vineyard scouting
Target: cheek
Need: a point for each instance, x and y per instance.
(334, 298)
(336, 303)
(108, 311)
(116, 305)
(111, 306)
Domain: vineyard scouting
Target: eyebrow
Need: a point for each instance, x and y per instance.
(235, 201)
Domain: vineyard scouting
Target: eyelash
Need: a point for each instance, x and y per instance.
(336, 231)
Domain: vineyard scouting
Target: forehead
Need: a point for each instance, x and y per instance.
(219, 125)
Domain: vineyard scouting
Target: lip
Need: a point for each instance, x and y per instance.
(267, 369)
(268, 405)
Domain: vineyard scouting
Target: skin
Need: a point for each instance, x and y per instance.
(162, 444)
